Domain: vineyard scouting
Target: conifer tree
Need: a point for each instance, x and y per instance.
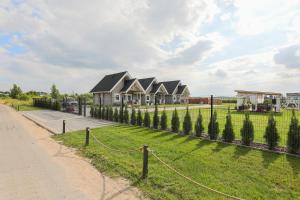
(139, 120)
(293, 140)
(107, 113)
(187, 122)
(99, 113)
(247, 131)
(163, 120)
(92, 111)
(228, 133)
(199, 125)
(121, 114)
(103, 112)
(116, 115)
(95, 112)
(147, 119)
(126, 115)
(133, 117)
(111, 114)
(213, 127)
(271, 133)
(155, 118)
(175, 122)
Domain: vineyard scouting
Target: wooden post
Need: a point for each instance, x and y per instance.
(64, 126)
(84, 107)
(145, 162)
(87, 136)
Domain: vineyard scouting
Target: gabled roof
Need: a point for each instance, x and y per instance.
(171, 86)
(127, 84)
(146, 82)
(156, 87)
(180, 89)
(108, 82)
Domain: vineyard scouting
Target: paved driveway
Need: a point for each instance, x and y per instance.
(53, 120)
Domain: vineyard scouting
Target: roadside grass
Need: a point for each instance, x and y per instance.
(28, 108)
(259, 120)
(23, 105)
(238, 171)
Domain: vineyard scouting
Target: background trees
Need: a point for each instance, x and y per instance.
(15, 91)
(54, 92)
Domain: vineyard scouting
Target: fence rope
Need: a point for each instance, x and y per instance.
(191, 180)
(116, 150)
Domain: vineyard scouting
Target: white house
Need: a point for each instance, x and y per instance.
(293, 100)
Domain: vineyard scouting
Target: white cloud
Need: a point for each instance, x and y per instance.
(289, 56)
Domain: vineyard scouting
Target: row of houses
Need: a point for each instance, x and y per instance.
(115, 88)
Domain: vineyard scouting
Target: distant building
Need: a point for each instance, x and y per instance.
(6, 93)
(258, 101)
(293, 100)
(115, 87)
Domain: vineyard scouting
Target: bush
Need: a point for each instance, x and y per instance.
(199, 128)
(126, 115)
(271, 133)
(23, 97)
(228, 133)
(147, 119)
(213, 127)
(116, 115)
(293, 141)
(187, 123)
(163, 120)
(139, 120)
(111, 114)
(155, 118)
(247, 131)
(133, 117)
(175, 122)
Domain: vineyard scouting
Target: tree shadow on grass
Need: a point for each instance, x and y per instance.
(162, 134)
(240, 151)
(294, 163)
(269, 158)
(219, 147)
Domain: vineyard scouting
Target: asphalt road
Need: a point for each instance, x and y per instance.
(33, 166)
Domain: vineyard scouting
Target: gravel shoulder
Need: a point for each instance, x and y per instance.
(34, 166)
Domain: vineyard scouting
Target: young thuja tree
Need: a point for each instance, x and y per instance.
(107, 113)
(92, 111)
(213, 127)
(139, 119)
(155, 118)
(293, 140)
(199, 128)
(228, 133)
(147, 119)
(111, 114)
(175, 122)
(116, 115)
(126, 115)
(271, 133)
(133, 117)
(187, 122)
(163, 120)
(121, 114)
(102, 116)
(247, 131)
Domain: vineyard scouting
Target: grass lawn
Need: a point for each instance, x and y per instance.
(23, 105)
(259, 121)
(238, 171)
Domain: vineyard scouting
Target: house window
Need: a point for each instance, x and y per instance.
(174, 98)
(117, 97)
(148, 98)
(129, 97)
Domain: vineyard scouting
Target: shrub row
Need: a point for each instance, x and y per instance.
(160, 122)
(47, 103)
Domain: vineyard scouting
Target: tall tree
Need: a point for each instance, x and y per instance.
(247, 131)
(213, 127)
(155, 118)
(54, 92)
(228, 133)
(293, 141)
(126, 115)
(175, 122)
(163, 120)
(147, 119)
(199, 128)
(116, 115)
(139, 120)
(15, 91)
(187, 122)
(271, 133)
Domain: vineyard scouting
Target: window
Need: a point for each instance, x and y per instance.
(174, 98)
(117, 97)
(129, 97)
(147, 98)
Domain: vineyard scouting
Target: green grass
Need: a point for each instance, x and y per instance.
(259, 121)
(28, 108)
(239, 171)
(23, 105)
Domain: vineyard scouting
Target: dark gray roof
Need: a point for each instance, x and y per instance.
(181, 89)
(145, 82)
(171, 85)
(155, 87)
(127, 84)
(108, 82)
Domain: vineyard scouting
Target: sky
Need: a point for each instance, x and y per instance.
(215, 47)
